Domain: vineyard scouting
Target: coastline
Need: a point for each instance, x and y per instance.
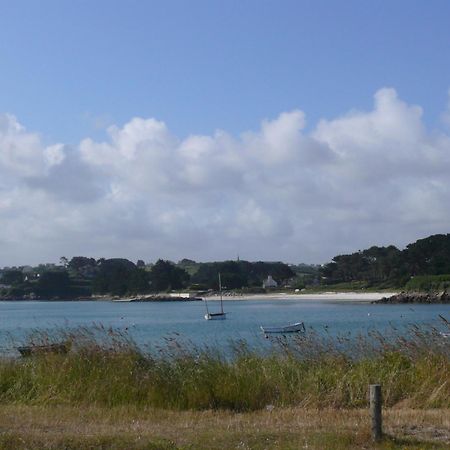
(340, 297)
(364, 297)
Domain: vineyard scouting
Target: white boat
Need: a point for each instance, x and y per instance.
(298, 327)
(219, 315)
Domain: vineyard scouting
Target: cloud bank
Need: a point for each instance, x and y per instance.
(278, 193)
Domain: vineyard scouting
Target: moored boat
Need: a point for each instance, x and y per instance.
(216, 316)
(219, 315)
(29, 350)
(298, 327)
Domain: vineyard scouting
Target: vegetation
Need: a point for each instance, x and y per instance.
(95, 427)
(427, 283)
(83, 277)
(423, 265)
(107, 393)
(389, 267)
(106, 368)
(165, 276)
(119, 276)
(239, 274)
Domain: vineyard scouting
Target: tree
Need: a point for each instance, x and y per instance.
(239, 274)
(54, 284)
(164, 275)
(119, 276)
(429, 256)
(12, 276)
(64, 261)
(113, 276)
(78, 262)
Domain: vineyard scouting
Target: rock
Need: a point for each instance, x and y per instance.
(416, 297)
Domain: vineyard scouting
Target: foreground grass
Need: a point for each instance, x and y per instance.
(56, 427)
(313, 371)
(306, 392)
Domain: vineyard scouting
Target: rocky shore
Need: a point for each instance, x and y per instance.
(417, 297)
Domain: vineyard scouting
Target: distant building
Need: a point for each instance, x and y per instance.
(29, 273)
(182, 294)
(269, 282)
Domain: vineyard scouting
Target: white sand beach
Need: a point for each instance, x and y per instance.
(322, 297)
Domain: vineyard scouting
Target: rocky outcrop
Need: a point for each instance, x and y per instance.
(417, 297)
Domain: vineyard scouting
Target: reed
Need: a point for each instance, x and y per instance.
(106, 368)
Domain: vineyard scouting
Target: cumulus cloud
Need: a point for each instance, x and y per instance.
(21, 153)
(277, 193)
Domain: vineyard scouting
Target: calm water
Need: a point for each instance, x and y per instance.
(150, 323)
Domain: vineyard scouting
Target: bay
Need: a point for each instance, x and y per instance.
(153, 324)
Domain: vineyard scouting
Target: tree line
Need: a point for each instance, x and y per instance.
(389, 266)
(422, 265)
(82, 277)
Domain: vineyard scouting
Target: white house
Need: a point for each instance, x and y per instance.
(269, 282)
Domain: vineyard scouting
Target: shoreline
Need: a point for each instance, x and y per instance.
(339, 297)
(360, 297)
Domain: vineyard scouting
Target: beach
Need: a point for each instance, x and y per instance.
(322, 297)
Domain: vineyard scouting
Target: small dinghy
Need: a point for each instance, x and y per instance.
(298, 327)
(29, 350)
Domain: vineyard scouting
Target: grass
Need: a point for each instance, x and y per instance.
(106, 368)
(307, 392)
(281, 428)
(428, 283)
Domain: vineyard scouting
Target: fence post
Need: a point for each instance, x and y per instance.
(375, 411)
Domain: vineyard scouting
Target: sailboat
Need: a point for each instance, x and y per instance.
(220, 315)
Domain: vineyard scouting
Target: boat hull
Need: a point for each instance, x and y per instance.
(293, 328)
(215, 316)
(30, 350)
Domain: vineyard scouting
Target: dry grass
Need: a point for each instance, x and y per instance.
(67, 427)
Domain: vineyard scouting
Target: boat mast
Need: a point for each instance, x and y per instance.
(220, 290)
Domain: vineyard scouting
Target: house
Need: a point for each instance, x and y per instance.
(269, 282)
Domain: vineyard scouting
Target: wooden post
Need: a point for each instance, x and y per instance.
(375, 411)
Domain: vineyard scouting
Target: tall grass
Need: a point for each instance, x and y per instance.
(106, 368)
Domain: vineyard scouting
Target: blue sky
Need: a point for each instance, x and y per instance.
(147, 129)
(70, 66)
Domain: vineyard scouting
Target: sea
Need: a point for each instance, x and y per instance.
(152, 325)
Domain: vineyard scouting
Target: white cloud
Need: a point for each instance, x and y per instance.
(21, 153)
(278, 193)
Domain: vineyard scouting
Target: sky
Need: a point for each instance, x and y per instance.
(270, 130)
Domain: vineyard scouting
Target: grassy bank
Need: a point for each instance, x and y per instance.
(106, 368)
(307, 392)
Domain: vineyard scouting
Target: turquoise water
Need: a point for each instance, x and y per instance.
(150, 324)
